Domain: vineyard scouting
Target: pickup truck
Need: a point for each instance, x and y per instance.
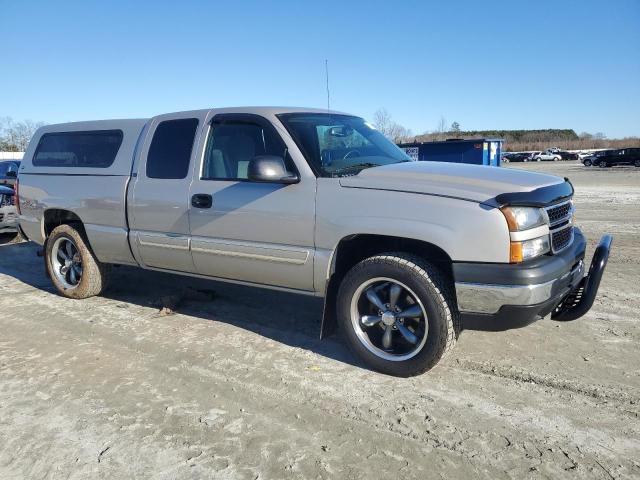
(314, 202)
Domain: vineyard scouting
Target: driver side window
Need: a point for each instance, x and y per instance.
(231, 145)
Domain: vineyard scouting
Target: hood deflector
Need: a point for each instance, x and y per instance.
(540, 197)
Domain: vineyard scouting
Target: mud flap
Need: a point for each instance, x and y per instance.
(330, 313)
(580, 300)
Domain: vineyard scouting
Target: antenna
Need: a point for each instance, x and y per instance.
(326, 70)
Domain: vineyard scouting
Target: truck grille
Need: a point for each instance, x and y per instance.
(559, 212)
(561, 238)
(560, 225)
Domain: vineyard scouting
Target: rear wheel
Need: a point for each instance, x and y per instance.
(602, 164)
(637, 163)
(72, 266)
(587, 163)
(398, 313)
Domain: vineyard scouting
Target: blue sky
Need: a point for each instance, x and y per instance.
(484, 64)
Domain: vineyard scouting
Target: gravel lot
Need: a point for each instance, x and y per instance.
(240, 386)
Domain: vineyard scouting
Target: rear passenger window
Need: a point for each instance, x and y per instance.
(170, 149)
(94, 149)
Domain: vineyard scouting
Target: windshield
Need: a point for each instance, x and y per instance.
(339, 145)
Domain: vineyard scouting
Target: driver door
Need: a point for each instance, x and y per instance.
(249, 231)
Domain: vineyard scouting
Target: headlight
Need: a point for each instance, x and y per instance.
(529, 232)
(523, 218)
(527, 249)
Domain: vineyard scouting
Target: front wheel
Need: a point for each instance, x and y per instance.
(602, 164)
(398, 313)
(72, 266)
(637, 163)
(587, 163)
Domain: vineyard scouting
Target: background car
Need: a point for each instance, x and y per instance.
(545, 156)
(8, 213)
(625, 156)
(516, 157)
(565, 155)
(592, 159)
(9, 172)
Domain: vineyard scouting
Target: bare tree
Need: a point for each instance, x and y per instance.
(393, 131)
(455, 128)
(15, 136)
(441, 129)
(382, 120)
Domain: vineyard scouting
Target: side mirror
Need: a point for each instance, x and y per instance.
(270, 168)
(12, 174)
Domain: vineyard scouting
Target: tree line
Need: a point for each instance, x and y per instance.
(514, 140)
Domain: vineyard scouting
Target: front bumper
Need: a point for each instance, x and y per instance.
(504, 296)
(8, 219)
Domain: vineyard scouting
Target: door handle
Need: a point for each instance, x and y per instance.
(201, 200)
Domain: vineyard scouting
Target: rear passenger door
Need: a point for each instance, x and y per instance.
(159, 200)
(253, 232)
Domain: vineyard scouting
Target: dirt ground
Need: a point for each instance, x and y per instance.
(241, 387)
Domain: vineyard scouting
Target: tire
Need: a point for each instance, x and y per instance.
(587, 163)
(437, 328)
(557, 159)
(93, 275)
(538, 159)
(637, 163)
(602, 164)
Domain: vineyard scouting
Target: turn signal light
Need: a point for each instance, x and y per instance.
(515, 252)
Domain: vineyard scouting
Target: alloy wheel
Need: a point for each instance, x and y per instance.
(389, 319)
(66, 262)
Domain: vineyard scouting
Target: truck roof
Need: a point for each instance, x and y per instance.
(134, 122)
(131, 133)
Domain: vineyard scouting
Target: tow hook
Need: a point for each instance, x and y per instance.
(580, 300)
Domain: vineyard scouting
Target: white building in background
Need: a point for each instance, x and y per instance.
(11, 156)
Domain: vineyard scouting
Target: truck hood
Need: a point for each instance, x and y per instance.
(476, 183)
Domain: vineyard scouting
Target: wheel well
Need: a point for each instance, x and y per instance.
(356, 248)
(54, 217)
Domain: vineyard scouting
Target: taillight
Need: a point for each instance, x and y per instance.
(16, 197)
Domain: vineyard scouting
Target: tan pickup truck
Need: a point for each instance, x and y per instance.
(405, 253)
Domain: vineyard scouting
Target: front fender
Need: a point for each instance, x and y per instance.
(467, 231)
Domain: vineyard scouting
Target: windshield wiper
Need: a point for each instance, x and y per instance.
(357, 166)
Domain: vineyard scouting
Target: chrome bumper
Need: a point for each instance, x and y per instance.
(488, 298)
